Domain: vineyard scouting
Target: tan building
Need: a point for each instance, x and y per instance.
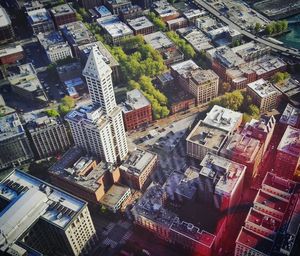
(203, 139)
(202, 84)
(115, 197)
(49, 136)
(137, 168)
(264, 95)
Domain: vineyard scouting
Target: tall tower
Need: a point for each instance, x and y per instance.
(99, 129)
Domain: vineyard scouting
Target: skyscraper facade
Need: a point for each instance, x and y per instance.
(99, 128)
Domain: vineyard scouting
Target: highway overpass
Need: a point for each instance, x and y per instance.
(294, 53)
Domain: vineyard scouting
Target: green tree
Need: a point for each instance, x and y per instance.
(165, 111)
(68, 101)
(226, 87)
(63, 109)
(253, 111)
(270, 29)
(52, 112)
(257, 27)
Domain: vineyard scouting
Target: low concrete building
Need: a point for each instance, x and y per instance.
(137, 169)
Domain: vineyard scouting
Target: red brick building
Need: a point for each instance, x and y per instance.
(137, 110)
(11, 55)
(63, 14)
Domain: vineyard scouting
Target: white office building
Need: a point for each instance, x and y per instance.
(99, 129)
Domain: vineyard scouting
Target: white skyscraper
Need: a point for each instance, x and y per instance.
(99, 128)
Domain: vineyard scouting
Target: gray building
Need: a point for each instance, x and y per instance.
(38, 217)
(14, 144)
(49, 136)
(6, 30)
(40, 21)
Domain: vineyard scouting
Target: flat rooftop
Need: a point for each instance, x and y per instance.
(8, 50)
(288, 86)
(37, 16)
(163, 8)
(137, 161)
(249, 49)
(183, 184)
(140, 23)
(158, 40)
(151, 206)
(60, 10)
(10, 126)
(87, 114)
(41, 122)
(114, 26)
(271, 180)
(290, 142)
(194, 233)
(193, 13)
(223, 118)
(201, 77)
(185, 67)
(270, 201)
(242, 147)
(264, 221)
(102, 10)
(4, 18)
(207, 136)
(78, 168)
(31, 199)
(263, 88)
(77, 33)
(290, 116)
(135, 100)
(196, 38)
(227, 174)
(253, 240)
(114, 195)
(226, 56)
(51, 39)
